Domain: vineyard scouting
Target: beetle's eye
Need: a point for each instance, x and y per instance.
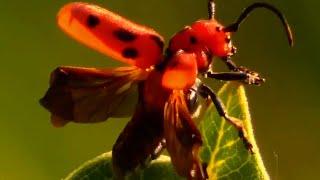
(227, 39)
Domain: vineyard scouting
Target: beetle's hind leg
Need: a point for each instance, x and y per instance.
(222, 112)
(158, 150)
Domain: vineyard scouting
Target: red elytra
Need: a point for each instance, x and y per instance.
(111, 34)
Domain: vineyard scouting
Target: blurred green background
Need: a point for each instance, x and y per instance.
(285, 110)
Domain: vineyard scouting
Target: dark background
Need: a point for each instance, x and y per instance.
(285, 110)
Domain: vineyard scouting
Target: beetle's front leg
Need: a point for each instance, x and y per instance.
(239, 73)
(246, 76)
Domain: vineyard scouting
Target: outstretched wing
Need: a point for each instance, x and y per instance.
(183, 139)
(138, 142)
(89, 95)
(111, 34)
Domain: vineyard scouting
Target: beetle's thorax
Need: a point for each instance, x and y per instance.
(205, 38)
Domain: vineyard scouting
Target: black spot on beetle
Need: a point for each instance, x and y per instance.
(158, 40)
(124, 35)
(193, 40)
(130, 52)
(218, 28)
(92, 21)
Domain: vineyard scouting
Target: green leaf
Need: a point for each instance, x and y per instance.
(223, 150)
(101, 168)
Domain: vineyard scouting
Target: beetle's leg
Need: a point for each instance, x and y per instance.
(248, 77)
(155, 153)
(230, 64)
(158, 150)
(222, 112)
(233, 67)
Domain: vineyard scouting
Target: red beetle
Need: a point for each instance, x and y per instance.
(167, 84)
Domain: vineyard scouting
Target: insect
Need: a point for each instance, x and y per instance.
(168, 84)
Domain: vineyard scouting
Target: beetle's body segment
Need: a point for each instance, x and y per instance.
(181, 71)
(188, 40)
(149, 126)
(212, 34)
(205, 36)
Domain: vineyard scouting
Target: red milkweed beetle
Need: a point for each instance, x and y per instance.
(167, 84)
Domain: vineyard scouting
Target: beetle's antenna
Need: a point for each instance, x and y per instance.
(277, 165)
(211, 9)
(235, 26)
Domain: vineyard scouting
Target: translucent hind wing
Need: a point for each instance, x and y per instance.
(88, 95)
